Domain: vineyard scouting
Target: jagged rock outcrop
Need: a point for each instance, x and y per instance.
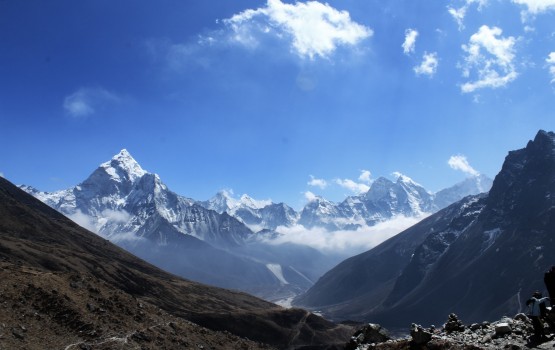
(506, 333)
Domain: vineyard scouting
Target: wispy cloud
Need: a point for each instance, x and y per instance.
(551, 65)
(87, 101)
(535, 7)
(84, 220)
(346, 242)
(1, 174)
(321, 183)
(313, 28)
(459, 162)
(410, 41)
(459, 13)
(115, 216)
(428, 66)
(352, 186)
(490, 57)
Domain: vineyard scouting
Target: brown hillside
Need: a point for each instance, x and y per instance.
(42, 251)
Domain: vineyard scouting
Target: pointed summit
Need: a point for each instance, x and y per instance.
(115, 177)
(249, 202)
(123, 165)
(404, 179)
(222, 202)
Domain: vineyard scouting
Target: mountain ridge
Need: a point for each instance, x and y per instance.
(223, 241)
(384, 200)
(479, 258)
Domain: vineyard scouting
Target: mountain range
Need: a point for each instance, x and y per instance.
(481, 257)
(227, 242)
(384, 200)
(133, 208)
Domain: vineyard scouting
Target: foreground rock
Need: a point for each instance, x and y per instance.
(507, 333)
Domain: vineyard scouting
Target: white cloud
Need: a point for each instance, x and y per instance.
(551, 65)
(1, 174)
(535, 7)
(309, 196)
(86, 101)
(490, 57)
(126, 238)
(346, 242)
(317, 182)
(115, 216)
(410, 41)
(352, 186)
(315, 29)
(428, 66)
(460, 162)
(83, 220)
(460, 13)
(365, 176)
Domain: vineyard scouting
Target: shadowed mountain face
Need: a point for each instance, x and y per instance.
(84, 274)
(480, 258)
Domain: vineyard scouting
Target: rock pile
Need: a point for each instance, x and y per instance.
(508, 333)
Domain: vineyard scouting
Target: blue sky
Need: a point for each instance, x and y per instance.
(272, 98)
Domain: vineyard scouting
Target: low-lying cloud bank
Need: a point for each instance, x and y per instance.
(345, 242)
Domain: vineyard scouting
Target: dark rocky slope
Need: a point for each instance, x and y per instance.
(45, 256)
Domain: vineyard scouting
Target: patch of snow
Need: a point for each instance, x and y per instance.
(300, 274)
(277, 271)
(286, 303)
(125, 162)
(490, 236)
(250, 202)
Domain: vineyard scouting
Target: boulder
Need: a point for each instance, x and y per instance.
(502, 329)
(371, 333)
(453, 324)
(419, 335)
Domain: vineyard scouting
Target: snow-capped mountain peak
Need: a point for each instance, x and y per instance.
(249, 202)
(403, 179)
(224, 201)
(123, 167)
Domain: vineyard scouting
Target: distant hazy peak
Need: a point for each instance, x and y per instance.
(252, 203)
(401, 178)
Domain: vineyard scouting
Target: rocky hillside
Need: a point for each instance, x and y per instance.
(507, 333)
(65, 286)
